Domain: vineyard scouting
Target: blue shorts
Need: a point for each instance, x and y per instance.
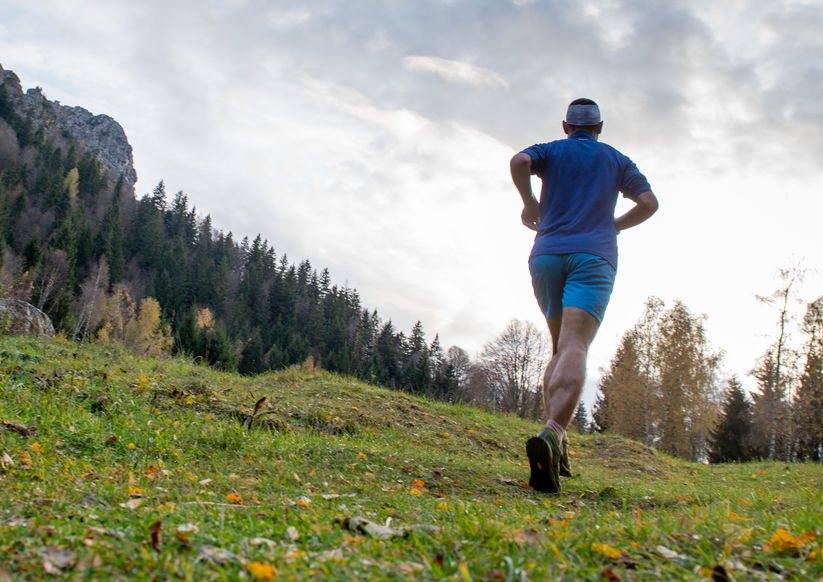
(576, 280)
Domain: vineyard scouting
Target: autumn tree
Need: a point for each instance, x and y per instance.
(621, 387)
(660, 387)
(146, 335)
(688, 389)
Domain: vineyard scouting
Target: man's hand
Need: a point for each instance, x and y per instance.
(645, 205)
(530, 217)
(521, 176)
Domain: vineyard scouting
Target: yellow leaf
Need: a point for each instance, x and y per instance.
(464, 572)
(144, 380)
(442, 505)
(261, 570)
(135, 492)
(35, 446)
(418, 483)
(25, 458)
(783, 541)
(234, 498)
(607, 551)
(415, 491)
(362, 455)
(295, 555)
(130, 446)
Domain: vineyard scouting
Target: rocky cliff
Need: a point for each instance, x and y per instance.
(95, 133)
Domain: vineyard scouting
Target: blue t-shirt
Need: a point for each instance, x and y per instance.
(581, 178)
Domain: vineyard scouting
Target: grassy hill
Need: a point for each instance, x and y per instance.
(115, 467)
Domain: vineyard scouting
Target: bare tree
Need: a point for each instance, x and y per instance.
(513, 365)
(781, 297)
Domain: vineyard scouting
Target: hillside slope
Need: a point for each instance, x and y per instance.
(115, 467)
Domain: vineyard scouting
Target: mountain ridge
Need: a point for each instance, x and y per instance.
(100, 134)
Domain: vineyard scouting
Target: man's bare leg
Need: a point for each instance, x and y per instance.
(554, 332)
(572, 333)
(566, 372)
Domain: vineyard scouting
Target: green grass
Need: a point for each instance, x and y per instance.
(126, 446)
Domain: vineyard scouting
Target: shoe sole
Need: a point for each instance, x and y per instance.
(540, 462)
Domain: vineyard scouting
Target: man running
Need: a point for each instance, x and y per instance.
(573, 261)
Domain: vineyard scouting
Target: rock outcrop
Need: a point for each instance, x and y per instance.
(20, 318)
(95, 133)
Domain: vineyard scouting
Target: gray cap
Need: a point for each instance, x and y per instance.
(583, 115)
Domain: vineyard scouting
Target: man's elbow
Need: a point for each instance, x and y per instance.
(520, 161)
(649, 202)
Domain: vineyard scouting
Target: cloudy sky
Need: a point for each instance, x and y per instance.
(373, 138)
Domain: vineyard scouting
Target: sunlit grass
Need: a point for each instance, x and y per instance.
(143, 469)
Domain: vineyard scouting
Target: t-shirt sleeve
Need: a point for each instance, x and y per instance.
(540, 157)
(633, 182)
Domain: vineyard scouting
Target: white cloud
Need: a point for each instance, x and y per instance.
(455, 71)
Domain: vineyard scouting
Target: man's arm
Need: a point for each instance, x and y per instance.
(521, 168)
(645, 205)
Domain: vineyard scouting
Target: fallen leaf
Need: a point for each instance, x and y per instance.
(107, 532)
(154, 530)
(217, 556)
(369, 528)
(89, 562)
(335, 555)
(418, 483)
(784, 541)
(6, 461)
(303, 502)
(609, 574)
(55, 560)
(234, 498)
(464, 572)
(409, 567)
(528, 536)
(271, 544)
(36, 447)
(261, 570)
(669, 554)
(607, 550)
(187, 528)
(18, 428)
(132, 503)
(292, 533)
(25, 458)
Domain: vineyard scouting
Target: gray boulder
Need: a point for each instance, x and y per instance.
(20, 318)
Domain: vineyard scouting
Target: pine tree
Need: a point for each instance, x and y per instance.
(580, 420)
(730, 440)
(809, 401)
